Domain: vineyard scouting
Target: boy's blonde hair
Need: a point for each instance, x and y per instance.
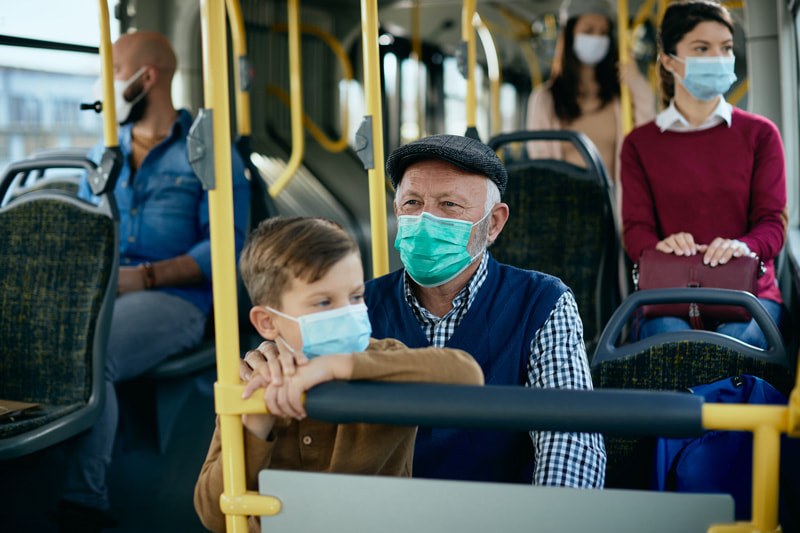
(282, 249)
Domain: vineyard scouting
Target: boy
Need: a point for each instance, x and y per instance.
(305, 279)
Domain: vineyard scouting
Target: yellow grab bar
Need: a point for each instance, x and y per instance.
(468, 36)
(296, 109)
(223, 263)
(110, 136)
(347, 74)
(377, 175)
(642, 15)
(766, 422)
(240, 54)
(494, 71)
(624, 59)
(416, 50)
(739, 92)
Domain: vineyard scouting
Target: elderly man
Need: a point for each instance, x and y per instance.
(521, 326)
(164, 288)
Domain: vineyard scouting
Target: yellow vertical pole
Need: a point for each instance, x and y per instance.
(223, 263)
(377, 175)
(416, 49)
(468, 36)
(624, 59)
(766, 467)
(239, 53)
(107, 75)
(296, 91)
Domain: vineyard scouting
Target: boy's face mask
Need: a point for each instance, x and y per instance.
(343, 330)
(707, 77)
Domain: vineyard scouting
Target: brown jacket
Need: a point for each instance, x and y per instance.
(315, 446)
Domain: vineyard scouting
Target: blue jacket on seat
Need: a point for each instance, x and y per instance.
(498, 329)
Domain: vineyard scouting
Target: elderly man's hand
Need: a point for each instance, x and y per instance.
(256, 358)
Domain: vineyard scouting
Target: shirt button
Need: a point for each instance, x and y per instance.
(124, 185)
(307, 440)
(131, 239)
(133, 212)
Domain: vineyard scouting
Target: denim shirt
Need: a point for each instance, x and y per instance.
(164, 211)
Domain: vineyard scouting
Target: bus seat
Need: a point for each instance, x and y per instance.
(677, 361)
(58, 269)
(313, 501)
(562, 222)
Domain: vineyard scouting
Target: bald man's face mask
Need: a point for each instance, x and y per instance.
(128, 96)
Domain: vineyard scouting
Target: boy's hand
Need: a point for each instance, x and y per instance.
(285, 398)
(258, 424)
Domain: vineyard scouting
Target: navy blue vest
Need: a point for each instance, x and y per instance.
(497, 331)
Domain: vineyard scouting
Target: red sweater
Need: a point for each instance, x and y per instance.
(724, 181)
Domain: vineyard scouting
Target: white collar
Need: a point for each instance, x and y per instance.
(671, 119)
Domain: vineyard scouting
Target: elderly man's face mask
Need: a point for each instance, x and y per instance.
(434, 249)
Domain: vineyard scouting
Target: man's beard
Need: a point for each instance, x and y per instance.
(137, 112)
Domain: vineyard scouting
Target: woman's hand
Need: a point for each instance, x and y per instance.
(679, 244)
(720, 251)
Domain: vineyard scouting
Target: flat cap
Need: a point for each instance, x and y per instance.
(467, 153)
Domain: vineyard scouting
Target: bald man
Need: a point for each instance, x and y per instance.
(164, 288)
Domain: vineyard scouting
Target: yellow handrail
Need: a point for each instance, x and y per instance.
(739, 92)
(642, 15)
(347, 74)
(240, 53)
(494, 71)
(766, 422)
(296, 89)
(377, 176)
(468, 36)
(416, 51)
(110, 135)
(223, 263)
(624, 59)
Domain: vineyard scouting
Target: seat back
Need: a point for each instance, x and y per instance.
(58, 271)
(678, 361)
(562, 223)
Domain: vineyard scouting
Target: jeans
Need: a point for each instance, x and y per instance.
(747, 332)
(146, 328)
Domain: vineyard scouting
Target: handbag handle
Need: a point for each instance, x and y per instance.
(607, 350)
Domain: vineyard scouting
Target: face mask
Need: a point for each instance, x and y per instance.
(434, 249)
(122, 104)
(343, 330)
(707, 77)
(590, 49)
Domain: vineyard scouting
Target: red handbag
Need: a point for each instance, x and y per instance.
(657, 270)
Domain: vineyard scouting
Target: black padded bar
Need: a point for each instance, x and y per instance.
(615, 412)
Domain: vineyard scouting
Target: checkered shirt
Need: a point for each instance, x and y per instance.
(557, 360)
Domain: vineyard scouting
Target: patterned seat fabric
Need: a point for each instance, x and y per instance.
(55, 263)
(559, 224)
(677, 366)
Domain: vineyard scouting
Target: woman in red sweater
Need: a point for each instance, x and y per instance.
(704, 177)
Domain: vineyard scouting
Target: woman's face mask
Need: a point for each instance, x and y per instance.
(707, 77)
(342, 330)
(434, 249)
(591, 49)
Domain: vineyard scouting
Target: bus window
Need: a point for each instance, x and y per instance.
(455, 95)
(48, 66)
